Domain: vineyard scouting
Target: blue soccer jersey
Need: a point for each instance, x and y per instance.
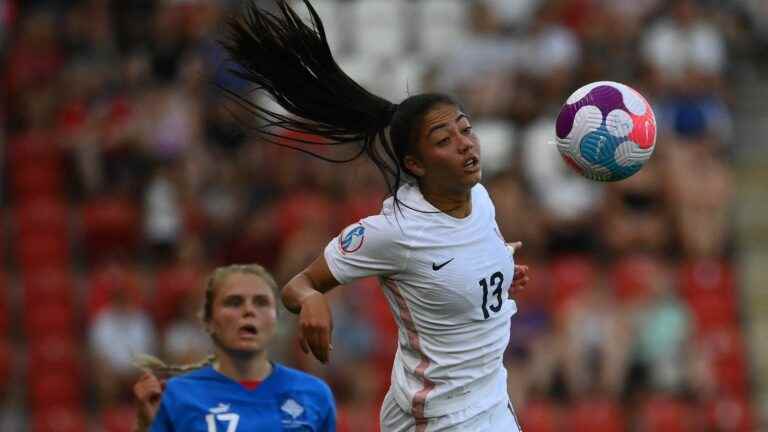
(207, 401)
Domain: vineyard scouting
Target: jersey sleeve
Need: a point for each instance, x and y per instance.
(162, 421)
(371, 247)
(329, 423)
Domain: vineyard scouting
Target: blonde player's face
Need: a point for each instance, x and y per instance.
(449, 151)
(244, 314)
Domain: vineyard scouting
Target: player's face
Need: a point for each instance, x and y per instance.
(448, 150)
(244, 313)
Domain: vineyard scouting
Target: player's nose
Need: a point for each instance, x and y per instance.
(249, 309)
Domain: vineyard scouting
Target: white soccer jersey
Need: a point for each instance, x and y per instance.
(446, 281)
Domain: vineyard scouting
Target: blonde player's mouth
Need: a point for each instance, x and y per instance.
(248, 331)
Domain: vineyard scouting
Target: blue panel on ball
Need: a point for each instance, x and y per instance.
(599, 148)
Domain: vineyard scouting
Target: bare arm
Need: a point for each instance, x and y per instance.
(303, 295)
(315, 279)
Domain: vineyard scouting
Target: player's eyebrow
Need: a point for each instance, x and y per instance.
(442, 125)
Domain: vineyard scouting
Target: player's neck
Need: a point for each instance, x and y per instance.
(457, 204)
(244, 368)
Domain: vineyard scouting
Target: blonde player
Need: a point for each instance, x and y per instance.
(445, 269)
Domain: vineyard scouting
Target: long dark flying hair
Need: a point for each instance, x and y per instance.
(291, 61)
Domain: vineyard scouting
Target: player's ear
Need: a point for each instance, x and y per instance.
(414, 165)
(208, 326)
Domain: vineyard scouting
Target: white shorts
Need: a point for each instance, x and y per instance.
(499, 418)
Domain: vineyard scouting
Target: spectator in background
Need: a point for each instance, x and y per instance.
(118, 333)
(683, 49)
(700, 209)
(551, 54)
(359, 397)
(481, 69)
(184, 340)
(596, 339)
(634, 213)
(686, 57)
(163, 219)
(567, 200)
(663, 329)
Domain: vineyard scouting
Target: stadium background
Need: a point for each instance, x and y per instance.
(125, 180)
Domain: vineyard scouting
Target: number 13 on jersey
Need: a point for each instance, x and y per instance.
(496, 283)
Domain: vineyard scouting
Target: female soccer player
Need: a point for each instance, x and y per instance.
(446, 271)
(238, 389)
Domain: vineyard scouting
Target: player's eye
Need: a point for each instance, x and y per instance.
(261, 301)
(467, 130)
(233, 301)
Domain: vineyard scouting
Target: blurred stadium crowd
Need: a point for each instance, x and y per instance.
(126, 179)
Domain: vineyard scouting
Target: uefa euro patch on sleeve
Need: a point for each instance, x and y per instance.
(351, 239)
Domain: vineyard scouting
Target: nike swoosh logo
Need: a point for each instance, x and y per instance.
(436, 267)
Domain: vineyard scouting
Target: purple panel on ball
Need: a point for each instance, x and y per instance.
(565, 120)
(605, 97)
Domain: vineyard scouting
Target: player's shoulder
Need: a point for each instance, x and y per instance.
(302, 381)
(298, 381)
(379, 229)
(481, 199)
(197, 377)
(479, 191)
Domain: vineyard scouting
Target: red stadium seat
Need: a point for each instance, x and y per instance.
(662, 413)
(633, 277)
(6, 362)
(59, 419)
(712, 312)
(4, 308)
(50, 318)
(48, 285)
(55, 353)
(172, 284)
(540, 416)
(726, 352)
(569, 276)
(119, 418)
(105, 280)
(33, 146)
(595, 415)
(3, 235)
(726, 413)
(42, 216)
(713, 277)
(299, 209)
(36, 252)
(110, 225)
(54, 388)
(39, 179)
(357, 207)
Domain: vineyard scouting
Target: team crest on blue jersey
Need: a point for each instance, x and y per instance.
(292, 408)
(292, 412)
(352, 238)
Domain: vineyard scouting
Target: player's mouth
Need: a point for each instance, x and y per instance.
(471, 164)
(247, 331)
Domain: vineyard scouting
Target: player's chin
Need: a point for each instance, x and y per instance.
(249, 344)
(471, 178)
(250, 347)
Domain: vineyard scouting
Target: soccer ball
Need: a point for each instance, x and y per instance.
(606, 131)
